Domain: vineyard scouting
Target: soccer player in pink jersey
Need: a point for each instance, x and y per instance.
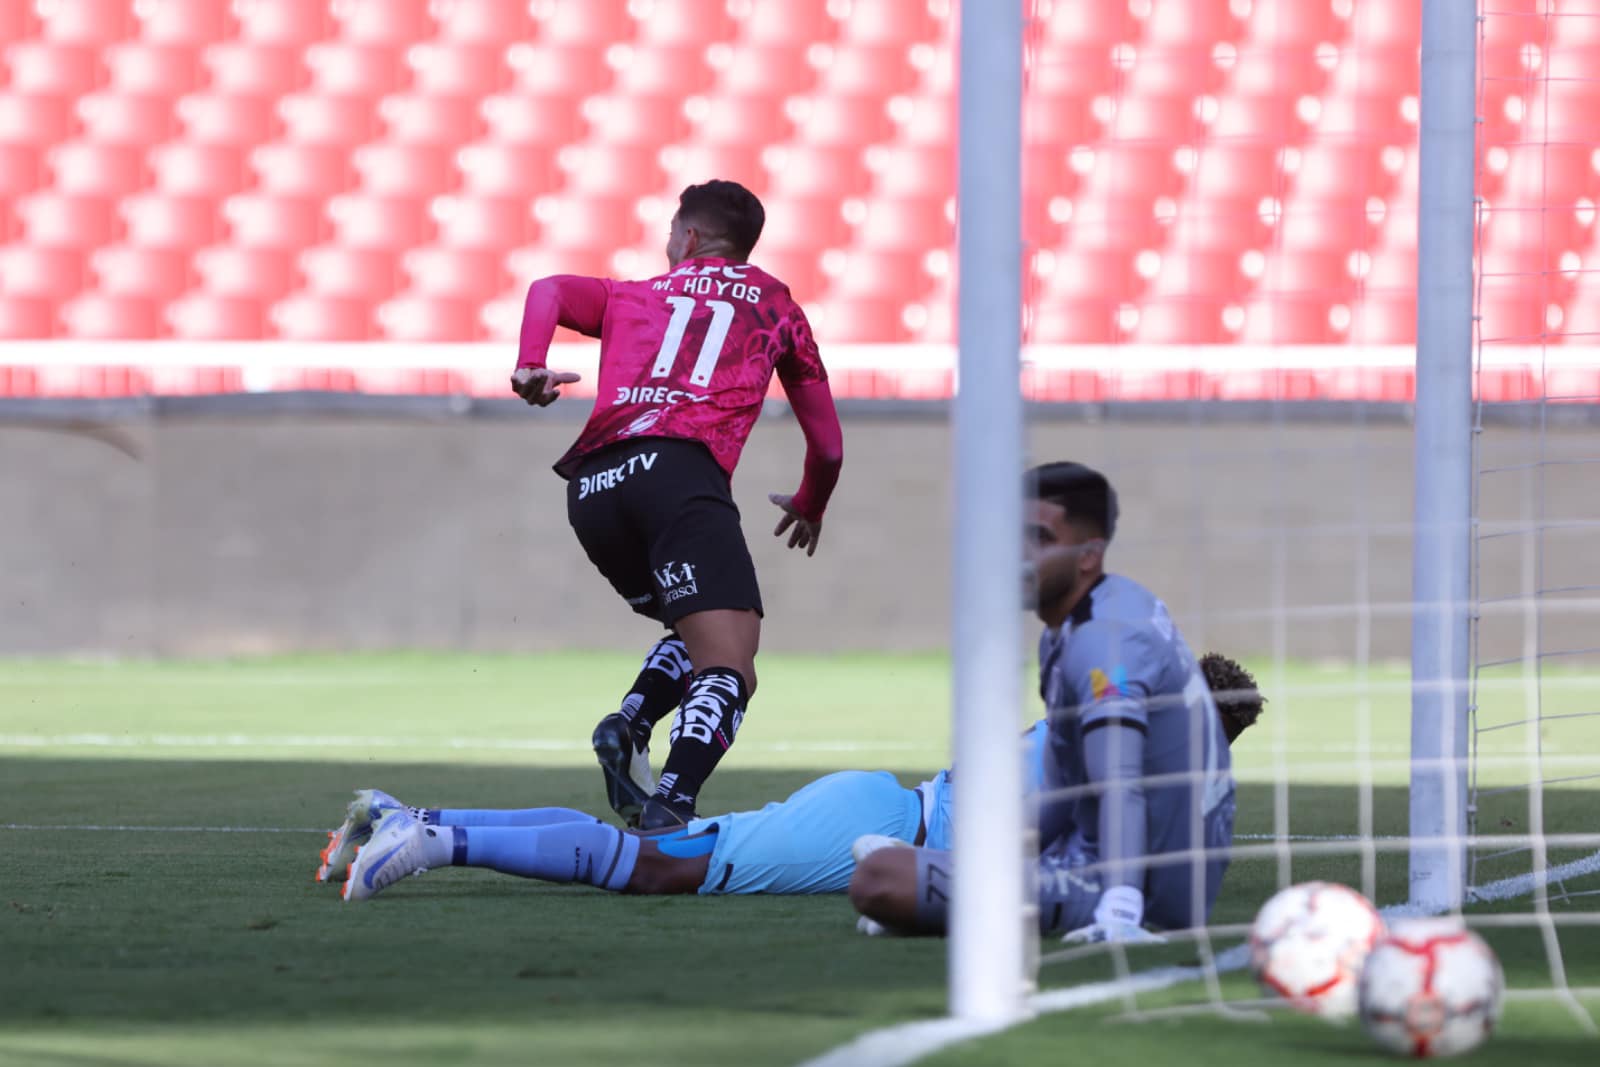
(685, 361)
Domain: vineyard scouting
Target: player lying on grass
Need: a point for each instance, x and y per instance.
(1136, 814)
(801, 845)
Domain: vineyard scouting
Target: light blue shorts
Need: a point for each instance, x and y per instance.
(802, 845)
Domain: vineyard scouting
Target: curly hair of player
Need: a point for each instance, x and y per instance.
(1239, 699)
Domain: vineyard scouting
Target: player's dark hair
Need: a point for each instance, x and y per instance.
(1083, 493)
(1239, 700)
(727, 210)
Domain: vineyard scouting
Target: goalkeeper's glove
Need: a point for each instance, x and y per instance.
(1116, 918)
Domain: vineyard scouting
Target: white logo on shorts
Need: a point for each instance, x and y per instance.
(676, 581)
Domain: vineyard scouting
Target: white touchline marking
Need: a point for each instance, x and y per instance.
(905, 1043)
(135, 741)
(169, 829)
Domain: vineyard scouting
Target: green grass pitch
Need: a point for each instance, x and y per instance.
(187, 930)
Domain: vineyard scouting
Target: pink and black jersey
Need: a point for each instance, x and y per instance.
(689, 354)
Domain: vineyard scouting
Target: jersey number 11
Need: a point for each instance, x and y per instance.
(710, 349)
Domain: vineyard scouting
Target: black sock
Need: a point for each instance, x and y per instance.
(660, 687)
(704, 729)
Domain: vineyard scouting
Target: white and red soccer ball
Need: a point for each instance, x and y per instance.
(1430, 987)
(1308, 944)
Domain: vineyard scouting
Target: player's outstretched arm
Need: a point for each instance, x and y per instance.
(819, 422)
(569, 300)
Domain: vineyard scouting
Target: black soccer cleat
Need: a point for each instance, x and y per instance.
(626, 765)
(657, 814)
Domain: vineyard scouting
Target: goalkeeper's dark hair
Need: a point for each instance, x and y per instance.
(725, 210)
(1239, 699)
(1083, 493)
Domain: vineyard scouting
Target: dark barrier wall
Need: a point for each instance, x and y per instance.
(261, 534)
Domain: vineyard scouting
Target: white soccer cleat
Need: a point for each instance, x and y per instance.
(395, 851)
(367, 808)
(867, 844)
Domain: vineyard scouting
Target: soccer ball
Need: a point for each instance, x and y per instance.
(1308, 943)
(1431, 987)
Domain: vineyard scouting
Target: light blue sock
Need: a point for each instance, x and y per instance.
(589, 852)
(504, 816)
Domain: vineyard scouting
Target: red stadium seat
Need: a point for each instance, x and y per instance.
(877, 274)
(1284, 320)
(227, 119)
(153, 69)
(122, 118)
(930, 120)
(462, 273)
(183, 22)
(1324, 272)
(1080, 70)
(88, 168)
(162, 221)
(846, 320)
(1330, 170)
(94, 22)
(344, 68)
(841, 120)
(1257, 118)
(912, 170)
(1343, 225)
(629, 118)
(1283, 74)
(25, 317)
(382, 22)
(188, 168)
(797, 169)
(131, 270)
(52, 219)
(21, 170)
(453, 68)
(798, 268)
(1179, 69)
(686, 22)
(367, 274)
(52, 274)
(812, 224)
(543, 69)
(294, 169)
(496, 168)
(283, 22)
(766, 71)
(1198, 273)
(425, 317)
(407, 170)
(906, 224)
(1075, 322)
(1235, 171)
(784, 22)
(1131, 171)
(1190, 22)
(1384, 318)
(553, 121)
(1512, 318)
(311, 317)
(1375, 117)
(1181, 320)
(1394, 22)
(437, 120)
(1104, 275)
(601, 223)
(610, 170)
(16, 20)
(1549, 174)
(1305, 22)
(216, 317)
(311, 118)
(1104, 221)
(696, 161)
(861, 69)
(259, 274)
(378, 222)
(1166, 120)
(889, 22)
(252, 69)
(486, 21)
(109, 317)
(587, 22)
(1089, 23)
(52, 68)
(484, 222)
(526, 265)
(269, 220)
(1219, 224)
(661, 69)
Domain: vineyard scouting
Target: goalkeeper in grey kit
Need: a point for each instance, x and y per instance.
(1136, 814)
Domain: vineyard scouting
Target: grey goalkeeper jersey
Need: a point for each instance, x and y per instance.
(1120, 665)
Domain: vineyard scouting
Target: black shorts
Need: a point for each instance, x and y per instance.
(656, 516)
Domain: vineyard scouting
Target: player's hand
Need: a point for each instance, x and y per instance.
(803, 533)
(1126, 933)
(541, 385)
